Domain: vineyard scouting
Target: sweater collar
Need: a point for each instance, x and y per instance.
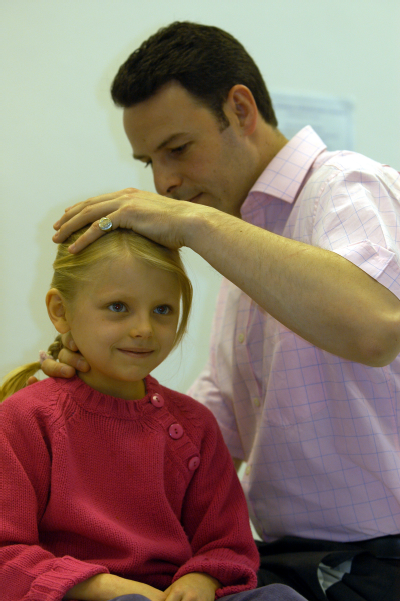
(97, 402)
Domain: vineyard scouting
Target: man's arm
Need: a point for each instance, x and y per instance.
(317, 294)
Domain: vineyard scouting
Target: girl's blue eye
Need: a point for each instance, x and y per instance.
(117, 307)
(162, 310)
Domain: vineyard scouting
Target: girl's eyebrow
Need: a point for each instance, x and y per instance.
(167, 141)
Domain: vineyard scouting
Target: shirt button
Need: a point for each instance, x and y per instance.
(257, 401)
(157, 400)
(194, 463)
(175, 431)
(241, 338)
(247, 470)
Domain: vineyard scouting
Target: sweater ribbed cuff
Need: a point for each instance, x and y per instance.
(66, 572)
(242, 577)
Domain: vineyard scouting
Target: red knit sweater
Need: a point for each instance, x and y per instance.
(91, 484)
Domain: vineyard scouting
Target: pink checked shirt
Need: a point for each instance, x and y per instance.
(320, 434)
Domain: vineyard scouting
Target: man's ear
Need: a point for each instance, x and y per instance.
(56, 310)
(243, 106)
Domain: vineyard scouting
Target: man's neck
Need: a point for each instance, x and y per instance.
(271, 143)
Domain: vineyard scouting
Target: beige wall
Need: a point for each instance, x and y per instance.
(62, 140)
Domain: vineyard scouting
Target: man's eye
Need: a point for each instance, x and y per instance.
(178, 149)
(162, 310)
(117, 307)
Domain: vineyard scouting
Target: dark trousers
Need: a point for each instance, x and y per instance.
(374, 576)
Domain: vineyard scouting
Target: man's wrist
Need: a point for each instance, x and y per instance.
(199, 223)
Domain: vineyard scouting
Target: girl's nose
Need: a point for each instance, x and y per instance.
(141, 328)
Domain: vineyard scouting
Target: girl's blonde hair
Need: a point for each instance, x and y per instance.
(72, 269)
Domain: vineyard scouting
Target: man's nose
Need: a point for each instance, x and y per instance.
(167, 181)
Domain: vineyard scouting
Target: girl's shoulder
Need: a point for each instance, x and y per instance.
(180, 403)
(36, 401)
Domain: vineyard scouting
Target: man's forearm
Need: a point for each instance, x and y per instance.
(317, 294)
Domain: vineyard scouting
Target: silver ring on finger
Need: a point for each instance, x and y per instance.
(105, 224)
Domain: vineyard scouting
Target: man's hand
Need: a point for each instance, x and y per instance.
(69, 361)
(161, 219)
(195, 586)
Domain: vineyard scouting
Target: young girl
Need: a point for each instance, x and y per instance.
(111, 483)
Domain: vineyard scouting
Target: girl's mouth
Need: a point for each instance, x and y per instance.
(137, 352)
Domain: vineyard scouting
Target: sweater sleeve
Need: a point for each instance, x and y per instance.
(216, 520)
(27, 570)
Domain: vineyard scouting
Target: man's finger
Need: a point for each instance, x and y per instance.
(72, 360)
(57, 370)
(78, 207)
(68, 342)
(82, 218)
(92, 234)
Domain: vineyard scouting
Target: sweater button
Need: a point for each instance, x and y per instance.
(175, 431)
(194, 463)
(157, 400)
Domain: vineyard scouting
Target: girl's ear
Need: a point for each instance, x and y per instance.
(56, 310)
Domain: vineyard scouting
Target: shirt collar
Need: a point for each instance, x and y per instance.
(284, 175)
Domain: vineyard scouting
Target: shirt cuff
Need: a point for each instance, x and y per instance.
(377, 261)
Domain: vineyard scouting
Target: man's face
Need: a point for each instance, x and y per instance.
(192, 157)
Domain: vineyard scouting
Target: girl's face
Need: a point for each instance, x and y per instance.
(124, 323)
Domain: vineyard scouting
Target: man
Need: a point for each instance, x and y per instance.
(304, 374)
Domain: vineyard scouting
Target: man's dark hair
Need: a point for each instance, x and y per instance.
(205, 60)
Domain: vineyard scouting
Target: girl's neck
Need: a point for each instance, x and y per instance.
(130, 391)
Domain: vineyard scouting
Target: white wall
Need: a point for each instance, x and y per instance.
(62, 139)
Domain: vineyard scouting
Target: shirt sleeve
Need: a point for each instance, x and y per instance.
(216, 521)
(205, 389)
(215, 386)
(358, 217)
(27, 571)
